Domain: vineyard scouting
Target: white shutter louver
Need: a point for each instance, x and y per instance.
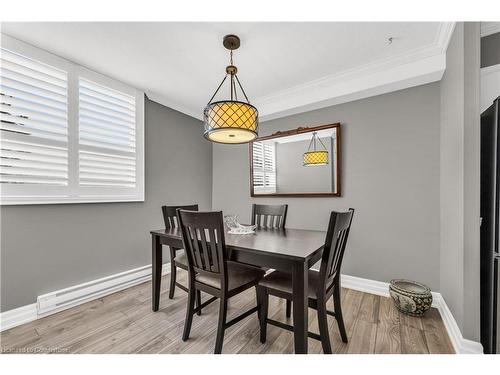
(33, 122)
(107, 136)
(264, 167)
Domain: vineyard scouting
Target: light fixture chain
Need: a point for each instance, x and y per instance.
(322, 143)
(235, 92)
(218, 88)
(310, 142)
(232, 85)
(241, 87)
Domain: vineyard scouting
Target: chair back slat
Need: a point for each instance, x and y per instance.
(269, 216)
(170, 214)
(195, 249)
(204, 249)
(335, 244)
(213, 250)
(206, 253)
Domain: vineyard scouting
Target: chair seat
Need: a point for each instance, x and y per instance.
(181, 261)
(282, 282)
(238, 274)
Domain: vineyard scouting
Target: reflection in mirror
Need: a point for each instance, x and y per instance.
(301, 163)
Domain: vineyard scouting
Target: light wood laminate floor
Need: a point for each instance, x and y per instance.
(124, 323)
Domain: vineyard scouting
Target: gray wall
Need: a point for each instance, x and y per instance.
(460, 159)
(293, 177)
(49, 247)
(490, 50)
(390, 164)
(452, 159)
(472, 177)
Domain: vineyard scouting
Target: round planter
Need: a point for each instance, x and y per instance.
(410, 297)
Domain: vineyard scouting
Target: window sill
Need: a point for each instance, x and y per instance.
(23, 201)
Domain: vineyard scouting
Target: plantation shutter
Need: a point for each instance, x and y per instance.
(67, 134)
(107, 137)
(258, 165)
(264, 167)
(269, 165)
(33, 124)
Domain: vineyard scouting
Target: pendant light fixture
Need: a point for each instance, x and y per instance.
(231, 121)
(313, 156)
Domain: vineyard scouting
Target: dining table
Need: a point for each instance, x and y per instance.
(290, 250)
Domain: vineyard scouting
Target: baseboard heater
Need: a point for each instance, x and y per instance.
(53, 302)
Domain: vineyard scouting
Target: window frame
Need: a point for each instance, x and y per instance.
(73, 193)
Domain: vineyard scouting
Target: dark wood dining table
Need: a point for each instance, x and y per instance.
(291, 250)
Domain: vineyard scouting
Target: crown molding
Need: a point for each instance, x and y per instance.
(419, 66)
(355, 85)
(488, 28)
(444, 35)
(416, 67)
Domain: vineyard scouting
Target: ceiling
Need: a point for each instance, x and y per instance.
(285, 68)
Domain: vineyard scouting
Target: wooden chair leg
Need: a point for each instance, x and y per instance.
(173, 274)
(221, 326)
(263, 298)
(189, 313)
(323, 327)
(198, 300)
(338, 312)
(257, 296)
(288, 308)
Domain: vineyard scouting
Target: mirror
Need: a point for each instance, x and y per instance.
(301, 162)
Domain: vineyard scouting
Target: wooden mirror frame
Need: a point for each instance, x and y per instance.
(300, 130)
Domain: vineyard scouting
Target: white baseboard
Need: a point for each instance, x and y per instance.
(63, 299)
(73, 296)
(378, 288)
(460, 344)
(21, 315)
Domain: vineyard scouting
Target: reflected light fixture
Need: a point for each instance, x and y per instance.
(313, 156)
(231, 121)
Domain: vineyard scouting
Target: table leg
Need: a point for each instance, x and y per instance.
(156, 271)
(300, 273)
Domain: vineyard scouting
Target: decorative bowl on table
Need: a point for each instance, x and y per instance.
(243, 229)
(410, 297)
(234, 227)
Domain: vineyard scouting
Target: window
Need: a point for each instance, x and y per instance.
(107, 136)
(264, 167)
(33, 122)
(66, 134)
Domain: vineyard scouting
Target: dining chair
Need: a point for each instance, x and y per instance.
(322, 284)
(177, 260)
(210, 271)
(269, 216)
